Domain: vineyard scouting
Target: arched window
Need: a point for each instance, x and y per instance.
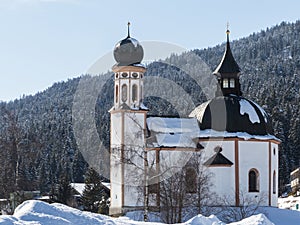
(274, 182)
(253, 180)
(117, 93)
(134, 93)
(141, 92)
(191, 180)
(124, 93)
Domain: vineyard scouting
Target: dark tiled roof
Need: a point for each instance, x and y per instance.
(223, 113)
(218, 160)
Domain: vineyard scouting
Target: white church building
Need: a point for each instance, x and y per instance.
(232, 134)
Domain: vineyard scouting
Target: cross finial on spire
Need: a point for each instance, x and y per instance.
(128, 31)
(227, 31)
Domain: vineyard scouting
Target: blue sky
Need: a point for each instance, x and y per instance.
(46, 41)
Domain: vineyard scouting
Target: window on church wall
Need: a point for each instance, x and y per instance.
(154, 181)
(191, 180)
(134, 93)
(124, 93)
(225, 83)
(232, 83)
(117, 93)
(253, 180)
(274, 182)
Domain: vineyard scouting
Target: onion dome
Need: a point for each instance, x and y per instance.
(233, 114)
(128, 51)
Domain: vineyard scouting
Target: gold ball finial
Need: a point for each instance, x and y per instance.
(227, 31)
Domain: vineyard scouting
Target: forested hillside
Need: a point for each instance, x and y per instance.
(37, 140)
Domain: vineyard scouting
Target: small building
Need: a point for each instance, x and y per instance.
(295, 181)
(289, 202)
(78, 189)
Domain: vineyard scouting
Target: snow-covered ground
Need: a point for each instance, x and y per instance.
(290, 202)
(35, 212)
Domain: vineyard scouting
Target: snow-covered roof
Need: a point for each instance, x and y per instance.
(172, 125)
(247, 108)
(209, 133)
(106, 184)
(184, 132)
(79, 187)
(172, 132)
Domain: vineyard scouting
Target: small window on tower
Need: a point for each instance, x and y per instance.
(124, 93)
(231, 83)
(135, 75)
(117, 93)
(274, 182)
(225, 83)
(124, 74)
(134, 93)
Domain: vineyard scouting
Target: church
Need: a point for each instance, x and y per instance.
(232, 136)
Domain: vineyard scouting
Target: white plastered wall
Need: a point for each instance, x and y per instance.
(134, 125)
(254, 155)
(274, 167)
(223, 178)
(116, 168)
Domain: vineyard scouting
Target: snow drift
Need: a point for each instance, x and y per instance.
(35, 212)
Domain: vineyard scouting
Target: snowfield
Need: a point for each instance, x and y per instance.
(35, 212)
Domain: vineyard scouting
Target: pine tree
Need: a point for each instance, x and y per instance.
(63, 190)
(79, 167)
(94, 193)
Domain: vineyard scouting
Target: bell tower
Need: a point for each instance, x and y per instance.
(128, 125)
(129, 73)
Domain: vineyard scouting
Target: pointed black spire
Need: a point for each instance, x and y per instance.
(228, 72)
(228, 63)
